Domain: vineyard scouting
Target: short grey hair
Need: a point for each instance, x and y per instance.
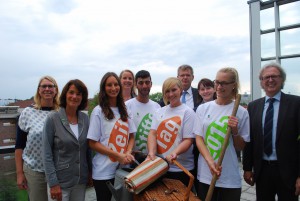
(185, 67)
(274, 65)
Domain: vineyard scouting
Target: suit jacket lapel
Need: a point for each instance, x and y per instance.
(283, 106)
(259, 116)
(80, 124)
(65, 122)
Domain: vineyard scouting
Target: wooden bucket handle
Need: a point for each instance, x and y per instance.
(191, 182)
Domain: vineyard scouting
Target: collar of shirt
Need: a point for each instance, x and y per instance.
(276, 97)
(189, 91)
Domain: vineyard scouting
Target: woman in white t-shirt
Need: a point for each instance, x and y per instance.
(127, 84)
(111, 135)
(171, 135)
(210, 129)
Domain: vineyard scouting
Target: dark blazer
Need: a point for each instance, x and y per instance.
(287, 139)
(195, 99)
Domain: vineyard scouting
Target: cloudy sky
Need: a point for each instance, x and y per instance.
(86, 38)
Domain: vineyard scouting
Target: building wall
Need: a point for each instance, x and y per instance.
(8, 129)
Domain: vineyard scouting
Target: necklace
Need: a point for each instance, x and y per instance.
(73, 123)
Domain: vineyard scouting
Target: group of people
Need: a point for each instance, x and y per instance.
(55, 139)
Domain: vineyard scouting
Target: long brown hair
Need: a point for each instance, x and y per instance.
(103, 99)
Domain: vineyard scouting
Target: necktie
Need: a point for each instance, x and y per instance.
(183, 97)
(268, 127)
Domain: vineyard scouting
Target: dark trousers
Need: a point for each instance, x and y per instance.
(219, 194)
(270, 184)
(102, 191)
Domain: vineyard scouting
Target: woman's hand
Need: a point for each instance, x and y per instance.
(21, 181)
(233, 124)
(55, 192)
(125, 159)
(150, 157)
(214, 169)
(171, 157)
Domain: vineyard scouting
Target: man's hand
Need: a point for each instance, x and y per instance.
(297, 192)
(248, 177)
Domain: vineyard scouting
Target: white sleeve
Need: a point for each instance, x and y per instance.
(244, 124)
(131, 125)
(188, 124)
(94, 132)
(155, 122)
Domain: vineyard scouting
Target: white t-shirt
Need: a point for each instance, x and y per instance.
(211, 124)
(110, 133)
(172, 125)
(142, 114)
(74, 128)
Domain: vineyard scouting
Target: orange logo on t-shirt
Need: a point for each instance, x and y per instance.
(118, 139)
(167, 132)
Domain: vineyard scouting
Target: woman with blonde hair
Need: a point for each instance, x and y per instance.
(210, 128)
(127, 83)
(29, 164)
(171, 135)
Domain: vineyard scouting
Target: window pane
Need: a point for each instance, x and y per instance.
(267, 19)
(290, 41)
(289, 13)
(268, 45)
(292, 84)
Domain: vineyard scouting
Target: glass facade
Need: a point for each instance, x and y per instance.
(275, 36)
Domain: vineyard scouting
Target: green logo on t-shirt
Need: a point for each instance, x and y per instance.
(215, 135)
(142, 133)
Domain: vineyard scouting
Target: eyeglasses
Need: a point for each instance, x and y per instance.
(44, 86)
(274, 77)
(217, 83)
(147, 82)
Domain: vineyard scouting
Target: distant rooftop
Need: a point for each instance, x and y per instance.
(9, 112)
(22, 103)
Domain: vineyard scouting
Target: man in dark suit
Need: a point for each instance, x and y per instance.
(272, 157)
(189, 95)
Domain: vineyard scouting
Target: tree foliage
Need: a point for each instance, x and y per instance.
(156, 96)
(92, 103)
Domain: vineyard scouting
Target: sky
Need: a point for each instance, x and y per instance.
(84, 39)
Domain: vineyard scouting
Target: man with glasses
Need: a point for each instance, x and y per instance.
(272, 157)
(142, 109)
(185, 74)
